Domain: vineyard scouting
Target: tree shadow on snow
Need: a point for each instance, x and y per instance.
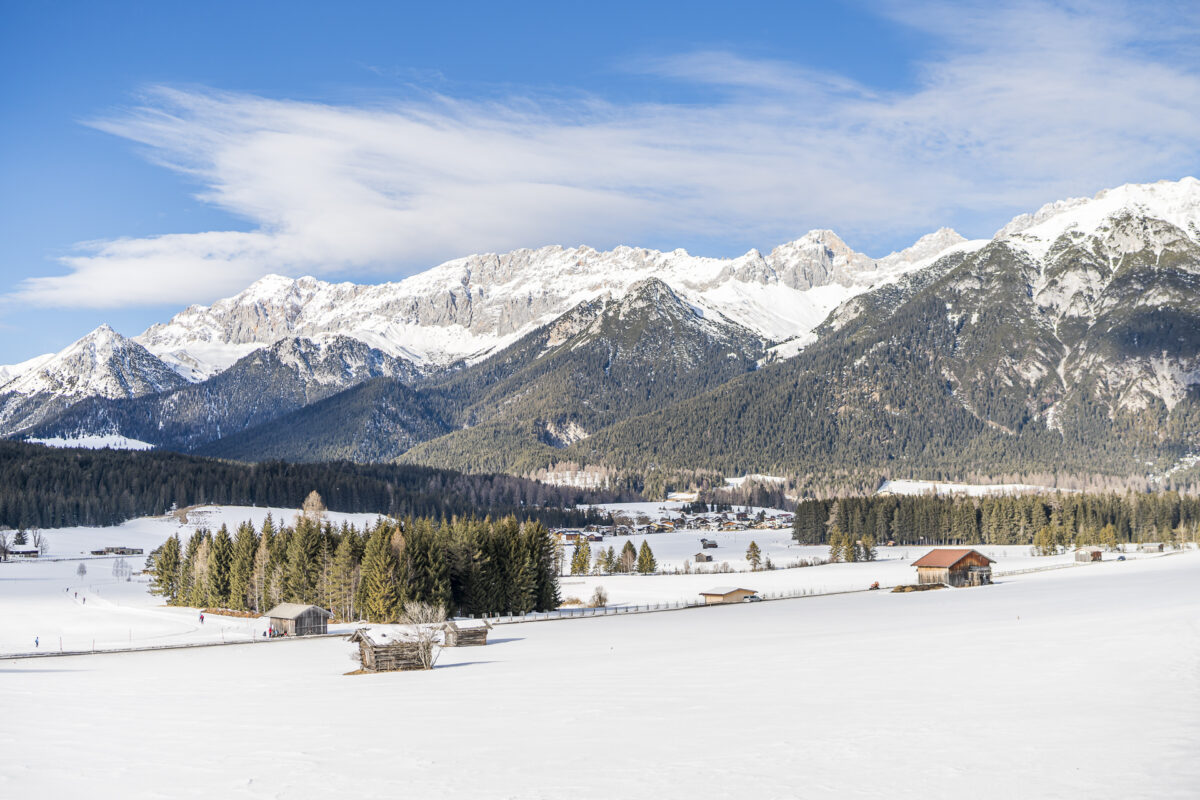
(461, 664)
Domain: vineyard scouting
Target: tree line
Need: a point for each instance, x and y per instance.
(45, 487)
(1046, 521)
(464, 565)
(610, 562)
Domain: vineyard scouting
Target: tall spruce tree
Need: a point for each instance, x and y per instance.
(166, 564)
(303, 561)
(344, 580)
(380, 597)
(220, 565)
(628, 558)
(245, 544)
(754, 556)
(646, 564)
(541, 548)
(581, 557)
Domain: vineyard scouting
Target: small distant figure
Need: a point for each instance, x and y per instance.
(201, 617)
(77, 595)
(85, 601)
(36, 643)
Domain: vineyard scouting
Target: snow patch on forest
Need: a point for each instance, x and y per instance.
(911, 487)
(104, 441)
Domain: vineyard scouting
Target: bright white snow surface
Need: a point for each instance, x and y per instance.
(47, 599)
(1071, 683)
(909, 487)
(110, 441)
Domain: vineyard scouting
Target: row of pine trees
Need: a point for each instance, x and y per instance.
(610, 562)
(1044, 521)
(467, 566)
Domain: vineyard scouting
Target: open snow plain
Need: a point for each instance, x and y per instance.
(46, 598)
(1069, 683)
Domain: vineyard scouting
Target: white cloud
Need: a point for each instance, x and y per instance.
(1020, 106)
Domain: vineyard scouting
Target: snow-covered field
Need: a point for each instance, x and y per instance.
(894, 566)
(46, 599)
(150, 532)
(1069, 683)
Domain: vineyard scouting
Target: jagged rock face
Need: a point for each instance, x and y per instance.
(603, 360)
(476, 305)
(270, 382)
(101, 364)
(1076, 328)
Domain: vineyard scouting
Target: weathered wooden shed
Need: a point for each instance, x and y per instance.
(954, 567)
(297, 619)
(465, 633)
(703, 558)
(726, 594)
(707, 543)
(388, 655)
(1150, 547)
(1086, 555)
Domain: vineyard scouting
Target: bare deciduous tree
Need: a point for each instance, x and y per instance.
(38, 539)
(81, 570)
(599, 598)
(425, 621)
(121, 569)
(3, 545)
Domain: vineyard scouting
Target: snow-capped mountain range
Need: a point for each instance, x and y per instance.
(472, 307)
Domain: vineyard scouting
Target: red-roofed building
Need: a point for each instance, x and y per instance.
(954, 567)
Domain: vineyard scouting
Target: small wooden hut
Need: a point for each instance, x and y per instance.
(472, 633)
(725, 594)
(388, 655)
(1086, 555)
(1150, 547)
(297, 619)
(954, 567)
(703, 558)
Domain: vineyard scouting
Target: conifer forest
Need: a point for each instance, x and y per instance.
(467, 565)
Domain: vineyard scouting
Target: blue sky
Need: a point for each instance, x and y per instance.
(158, 154)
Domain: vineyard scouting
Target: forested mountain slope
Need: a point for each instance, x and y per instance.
(603, 361)
(1081, 353)
(260, 387)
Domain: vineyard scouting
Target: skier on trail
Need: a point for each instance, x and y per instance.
(201, 617)
(35, 643)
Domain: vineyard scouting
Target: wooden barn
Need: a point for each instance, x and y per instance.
(954, 567)
(703, 558)
(388, 655)
(297, 619)
(1150, 547)
(467, 633)
(726, 594)
(1086, 555)
(707, 543)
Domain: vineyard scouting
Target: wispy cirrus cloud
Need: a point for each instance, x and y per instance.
(1016, 105)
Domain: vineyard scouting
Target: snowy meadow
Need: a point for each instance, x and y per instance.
(1073, 682)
